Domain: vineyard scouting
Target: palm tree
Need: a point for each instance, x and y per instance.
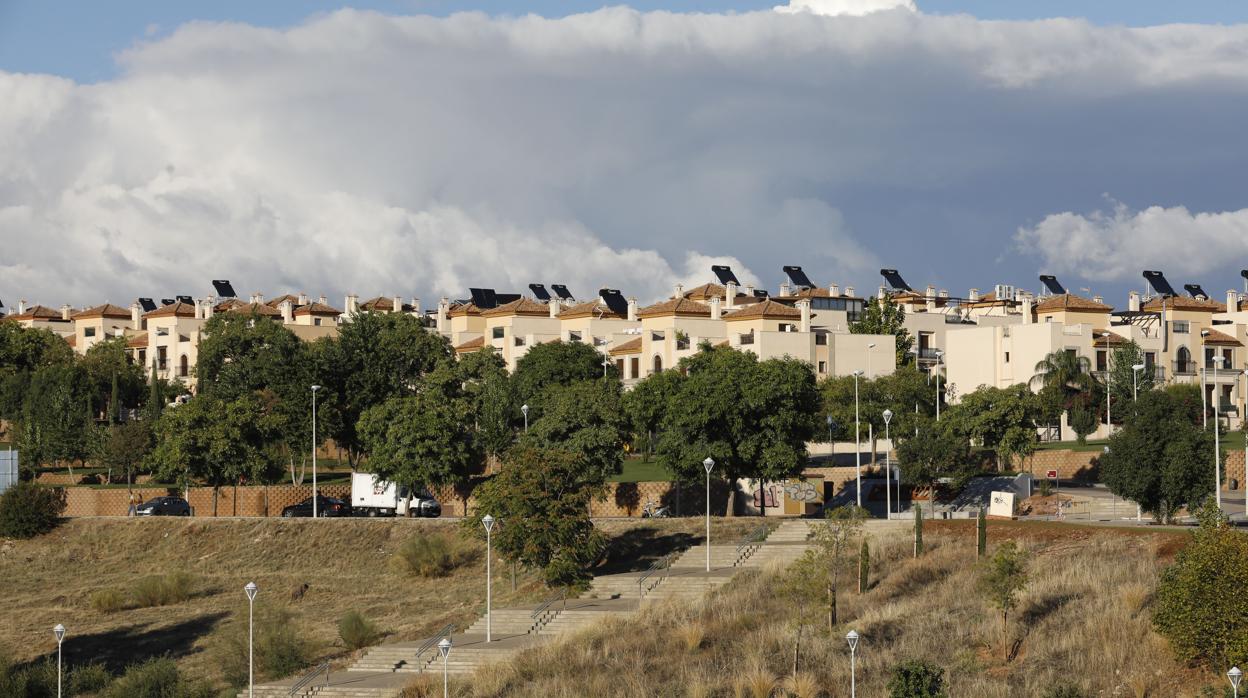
(1066, 373)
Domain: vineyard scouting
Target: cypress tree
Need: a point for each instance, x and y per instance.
(981, 534)
(114, 407)
(156, 398)
(864, 567)
(918, 530)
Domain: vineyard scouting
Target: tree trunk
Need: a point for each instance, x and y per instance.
(215, 489)
(266, 501)
(797, 648)
(762, 498)
(1005, 634)
(732, 496)
(831, 608)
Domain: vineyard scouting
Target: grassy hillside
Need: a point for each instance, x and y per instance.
(345, 563)
(1083, 619)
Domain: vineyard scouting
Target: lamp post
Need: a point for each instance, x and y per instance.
(59, 632)
(852, 639)
(708, 464)
(250, 590)
(488, 522)
(1217, 445)
(1235, 676)
(444, 648)
(939, 355)
(888, 467)
(1135, 381)
(829, 420)
(524, 409)
(605, 363)
(857, 444)
(1109, 419)
(870, 346)
(315, 492)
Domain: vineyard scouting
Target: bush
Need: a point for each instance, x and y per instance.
(33, 681)
(107, 601)
(1045, 488)
(88, 679)
(281, 648)
(357, 631)
(431, 556)
(1200, 607)
(916, 679)
(156, 678)
(172, 588)
(1064, 691)
(28, 510)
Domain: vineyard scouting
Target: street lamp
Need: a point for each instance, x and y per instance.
(524, 409)
(1135, 381)
(1109, 419)
(488, 522)
(251, 590)
(852, 639)
(315, 492)
(1217, 421)
(444, 648)
(939, 355)
(888, 468)
(830, 423)
(857, 443)
(708, 464)
(59, 632)
(605, 363)
(1235, 675)
(870, 346)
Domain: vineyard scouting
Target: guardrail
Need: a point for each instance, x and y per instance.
(433, 641)
(659, 567)
(755, 536)
(543, 607)
(305, 681)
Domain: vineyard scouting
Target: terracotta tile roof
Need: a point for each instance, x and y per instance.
(237, 306)
(767, 309)
(176, 308)
(381, 304)
(39, 312)
(816, 292)
(1184, 303)
(1212, 336)
(274, 302)
(138, 341)
(105, 310)
(595, 308)
(705, 292)
(315, 308)
(71, 340)
(632, 346)
(676, 307)
(520, 306)
(1069, 301)
(463, 309)
(1105, 338)
(988, 300)
(471, 345)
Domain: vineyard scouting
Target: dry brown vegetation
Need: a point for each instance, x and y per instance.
(85, 573)
(1084, 619)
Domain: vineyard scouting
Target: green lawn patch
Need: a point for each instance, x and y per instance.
(642, 470)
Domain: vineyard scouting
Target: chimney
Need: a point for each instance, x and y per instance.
(199, 309)
(632, 309)
(257, 297)
(880, 293)
(834, 290)
(323, 300)
(1027, 319)
(444, 306)
(930, 297)
(136, 316)
(944, 293)
(1098, 299)
(804, 306)
(785, 289)
(730, 295)
(209, 307)
(553, 306)
(415, 306)
(303, 298)
(680, 291)
(715, 312)
(21, 306)
(288, 311)
(397, 304)
(1133, 301)
(65, 310)
(849, 291)
(973, 296)
(352, 305)
(1232, 301)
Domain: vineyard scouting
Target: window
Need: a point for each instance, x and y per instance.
(183, 367)
(161, 358)
(162, 331)
(142, 357)
(823, 366)
(519, 341)
(634, 368)
(1228, 358)
(747, 338)
(1007, 357)
(821, 339)
(788, 327)
(1181, 327)
(316, 321)
(619, 367)
(1150, 358)
(574, 336)
(496, 333)
(658, 363)
(599, 342)
(656, 336)
(88, 331)
(1102, 360)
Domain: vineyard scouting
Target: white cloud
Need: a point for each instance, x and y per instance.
(1120, 243)
(846, 7)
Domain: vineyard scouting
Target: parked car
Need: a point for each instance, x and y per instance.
(163, 506)
(325, 506)
(373, 497)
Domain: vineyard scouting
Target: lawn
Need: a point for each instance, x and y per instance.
(642, 470)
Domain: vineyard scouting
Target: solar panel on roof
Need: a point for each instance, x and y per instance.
(1050, 282)
(894, 280)
(1158, 281)
(1243, 273)
(505, 298)
(1195, 291)
(540, 292)
(223, 288)
(166, 301)
(185, 299)
(798, 277)
(614, 300)
(562, 291)
(760, 293)
(483, 298)
(147, 304)
(724, 273)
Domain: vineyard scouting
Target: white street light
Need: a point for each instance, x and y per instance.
(444, 648)
(857, 443)
(888, 468)
(1235, 675)
(852, 639)
(315, 492)
(488, 522)
(524, 409)
(1217, 420)
(939, 355)
(830, 423)
(870, 346)
(1109, 420)
(708, 464)
(605, 363)
(250, 590)
(59, 632)
(1135, 381)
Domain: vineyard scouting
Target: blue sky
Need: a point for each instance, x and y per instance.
(79, 39)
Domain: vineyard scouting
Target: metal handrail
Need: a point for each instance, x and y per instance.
(561, 595)
(431, 642)
(660, 565)
(756, 535)
(308, 678)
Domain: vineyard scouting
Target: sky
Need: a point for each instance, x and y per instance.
(422, 147)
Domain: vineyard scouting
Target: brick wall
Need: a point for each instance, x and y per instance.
(1234, 470)
(250, 501)
(1070, 465)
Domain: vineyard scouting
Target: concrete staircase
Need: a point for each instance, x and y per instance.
(508, 621)
(573, 619)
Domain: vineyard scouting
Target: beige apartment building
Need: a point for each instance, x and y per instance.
(101, 322)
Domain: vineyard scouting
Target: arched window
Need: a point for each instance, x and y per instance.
(183, 367)
(1184, 361)
(658, 363)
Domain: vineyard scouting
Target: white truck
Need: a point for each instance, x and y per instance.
(371, 496)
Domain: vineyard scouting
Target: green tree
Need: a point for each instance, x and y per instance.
(1001, 577)
(900, 392)
(488, 388)
(55, 416)
(155, 404)
(550, 364)
(752, 417)
(28, 510)
(1067, 384)
(916, 679)
(884, 316)
(1201, 608)
(22, 352)
(646, 404)
(864, 568)
(1122, 379)
(938, 451)
(1000, 419)
(541, 502)
(1160, 457)
(981, 533)
(818, 572)
(115, 380)
(585, 418)
(125, 447)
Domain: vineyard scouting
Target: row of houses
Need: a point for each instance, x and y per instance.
(994, 338)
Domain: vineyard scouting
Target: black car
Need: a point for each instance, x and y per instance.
(163, 506)
(325, 506)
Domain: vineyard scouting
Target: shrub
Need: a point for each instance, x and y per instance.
(1045, 488)
(1001, 578)
(281, 648)
(172, 588)
(431, 556)
(916, 679)
(37, 679)
(1064, 691)
(28, 510)
(88, 679)
(1200, 605)
(156, 678)
(981, 534)
(357, 631)
(864, 567)
(107, 601)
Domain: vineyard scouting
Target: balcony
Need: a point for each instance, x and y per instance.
(1184, 368)
(1227, 366)
(929, 354)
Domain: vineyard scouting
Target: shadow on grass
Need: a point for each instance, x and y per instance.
(119, 648)
(637, 548)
